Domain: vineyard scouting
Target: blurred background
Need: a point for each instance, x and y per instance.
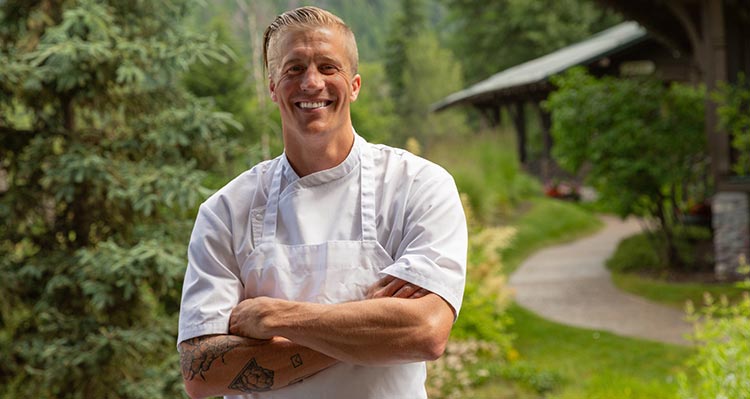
(118, 118)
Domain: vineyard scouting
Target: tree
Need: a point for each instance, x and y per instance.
(101, 157)
(734, 104)
(420, 72)
(373, 114)
(489, 36)
(406, 26)
(430, 73)
(643, 142)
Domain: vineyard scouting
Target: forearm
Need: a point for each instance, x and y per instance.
(371, 332)
(231, 365)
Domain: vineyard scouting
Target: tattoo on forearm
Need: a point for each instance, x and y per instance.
(296, 360)
(197, 354)
(253, 378)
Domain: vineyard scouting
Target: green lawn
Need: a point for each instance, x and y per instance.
(561, 362)
(580, 363)
(672, 293)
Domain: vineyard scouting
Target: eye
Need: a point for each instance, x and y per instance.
(295, 69)
(329, 69)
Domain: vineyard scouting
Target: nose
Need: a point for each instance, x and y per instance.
(312, 80)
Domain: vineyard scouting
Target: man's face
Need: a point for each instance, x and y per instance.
(312, 82)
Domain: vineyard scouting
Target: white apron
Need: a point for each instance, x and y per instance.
(330, 272)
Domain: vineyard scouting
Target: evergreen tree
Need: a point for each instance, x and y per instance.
(406, 26)
(100, 157)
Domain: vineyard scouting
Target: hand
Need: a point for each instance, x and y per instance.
(395, 287)
(247, 318)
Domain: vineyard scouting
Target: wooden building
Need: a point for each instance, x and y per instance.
(715, 34)
(698, 41)
(625, 49)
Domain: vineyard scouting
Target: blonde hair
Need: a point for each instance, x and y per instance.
(309, 17)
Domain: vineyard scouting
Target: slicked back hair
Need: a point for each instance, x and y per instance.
(305, 18)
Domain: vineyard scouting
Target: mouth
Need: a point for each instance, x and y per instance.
(313, 104)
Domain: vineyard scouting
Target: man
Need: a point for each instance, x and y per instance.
(334, 270)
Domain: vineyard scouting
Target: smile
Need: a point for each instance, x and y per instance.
(313, 104)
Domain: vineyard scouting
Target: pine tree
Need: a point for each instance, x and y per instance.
(101, 152)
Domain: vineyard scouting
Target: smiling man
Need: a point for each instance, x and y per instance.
(333, 271)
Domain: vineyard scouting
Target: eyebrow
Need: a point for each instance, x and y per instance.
(324, 58)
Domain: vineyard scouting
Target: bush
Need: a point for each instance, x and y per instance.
(623, 131)
(635, 254)
(645, 252)
(722, 362)
(480, 334)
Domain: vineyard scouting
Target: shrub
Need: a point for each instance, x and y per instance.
(644, 252)
(642, 141)
(481, 331)
(722, 360)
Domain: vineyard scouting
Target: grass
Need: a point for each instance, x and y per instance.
(674, 294)
(636, 268)
(591, 364)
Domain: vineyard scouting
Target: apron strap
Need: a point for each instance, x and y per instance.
(367, 191)
(272, 206)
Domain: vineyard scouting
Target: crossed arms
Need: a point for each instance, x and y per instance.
(274, 343)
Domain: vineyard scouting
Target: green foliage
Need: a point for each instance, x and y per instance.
(642, 252)
(494, 35)
(636, 253)
(226, 82)
(416, 84)
(373, 114)
(424, 84)
(407, 24)
(102, 154)
(480, 334)
(486, 169)
(734, 116)
(722, 360)
(643, 142)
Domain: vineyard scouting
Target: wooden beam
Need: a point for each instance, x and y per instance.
(715, 71)
(518, 115)
(546, 122)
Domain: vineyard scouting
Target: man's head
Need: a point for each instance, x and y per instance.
(311, 58)
(305, 18)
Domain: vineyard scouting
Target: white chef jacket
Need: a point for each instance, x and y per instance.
(418, 216)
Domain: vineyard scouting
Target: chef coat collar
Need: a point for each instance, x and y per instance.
(328, 175)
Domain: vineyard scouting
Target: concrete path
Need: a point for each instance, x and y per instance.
(569, 284)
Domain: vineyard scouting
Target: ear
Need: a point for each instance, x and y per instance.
(272, 88)
(356, 84)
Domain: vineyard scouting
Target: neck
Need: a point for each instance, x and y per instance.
(318, 152)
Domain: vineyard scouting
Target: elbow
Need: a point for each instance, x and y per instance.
(193, 389)
(435, 349)
(435, 340)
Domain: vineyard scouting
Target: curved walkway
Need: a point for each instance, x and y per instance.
(569, 284)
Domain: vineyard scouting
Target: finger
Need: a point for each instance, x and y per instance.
(389, 289)
(406, 291)
(419, 293)
(378, 285)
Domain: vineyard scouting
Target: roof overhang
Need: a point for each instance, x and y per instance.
(535, 73)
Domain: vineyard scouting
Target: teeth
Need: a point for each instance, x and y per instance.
(308, 105)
